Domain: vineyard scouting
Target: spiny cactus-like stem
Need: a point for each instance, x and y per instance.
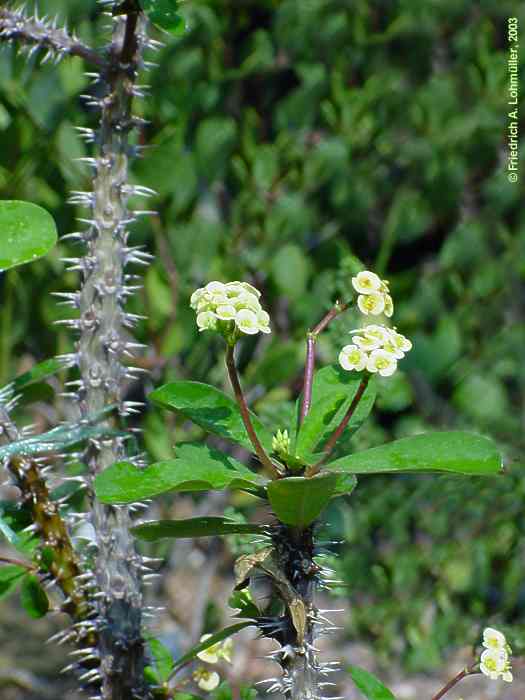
(100, 350)
(38, 33)
(294, 576)
(64, 567)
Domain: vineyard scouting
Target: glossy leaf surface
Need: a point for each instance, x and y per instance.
(212, 410)
(196, 468)
(369, 685)
(456, 451)
(298, 500)
(332, 392)
(27, 232)
(193, 527)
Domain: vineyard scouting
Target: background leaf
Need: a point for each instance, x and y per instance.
(163, 13)
(196, 468)
(459, 452)
(369, 685)
(298, 500)
(28, 233)
(211, 409)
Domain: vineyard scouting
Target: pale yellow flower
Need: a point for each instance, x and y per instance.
(246, 321)
(206, 321)
(226, 312)
(493, 639)
(381, 361)
(389, 305)
(205, 679)
(211, 654)
(352, 358)
(366, 282)
(494, 663)
(373, 303)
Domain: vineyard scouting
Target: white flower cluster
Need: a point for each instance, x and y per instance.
(495, 661)
(376, 349)
(205, 678)
(374, 295)
(234, 305)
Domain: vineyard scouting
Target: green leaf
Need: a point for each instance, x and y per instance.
(163, 14)
(193, 527)
(344, 485)
(40, 371)
(33, 597)
(320, 416)
(463, 453)
(13, 520)
(209, 642)
(369, 685)
(298, 500)
(28, 232)
(332, 392)
(196, 468)
(210, 409)
(242, 602)
(162, 659)
(10, 576)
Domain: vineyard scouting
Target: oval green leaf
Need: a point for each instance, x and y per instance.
(27, 232)
(33, 597)
(369, 685)
(459, 452)
(195, 468)
(162, 659)
(298, 500)
(193, 527)
(212, 410)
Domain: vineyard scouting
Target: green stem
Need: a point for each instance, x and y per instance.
(245, 413)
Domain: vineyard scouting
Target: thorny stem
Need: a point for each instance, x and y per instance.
(454, 681)
(14, 25)
(301, 669)
(340, 428)
(311, 338)
(245, 413)
(101, 346)
(50, 526)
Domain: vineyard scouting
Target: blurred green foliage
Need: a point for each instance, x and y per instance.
(289, 143)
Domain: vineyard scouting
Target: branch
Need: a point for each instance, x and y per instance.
(310, 355)
(16, 26)
(245, 413)
(454, 681)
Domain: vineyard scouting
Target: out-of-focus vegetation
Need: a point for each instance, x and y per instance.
(288, 141)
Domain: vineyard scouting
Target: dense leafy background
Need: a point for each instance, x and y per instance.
(291, 141)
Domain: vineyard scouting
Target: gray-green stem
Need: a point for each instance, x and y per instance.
(102, 343)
